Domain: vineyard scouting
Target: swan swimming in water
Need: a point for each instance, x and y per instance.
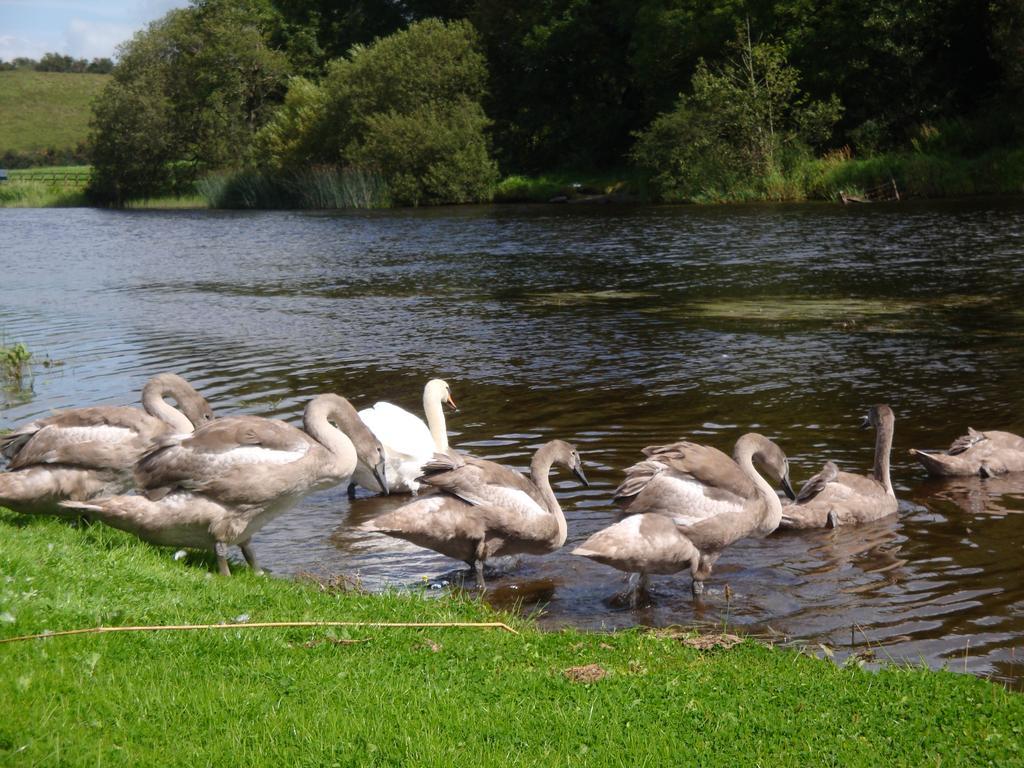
(986, 454)
(408, 442)
(832, 498)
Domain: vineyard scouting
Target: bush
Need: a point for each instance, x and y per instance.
(745, 125)
(429, 156)
(408, 106)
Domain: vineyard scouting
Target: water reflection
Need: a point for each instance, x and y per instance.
(614, 329)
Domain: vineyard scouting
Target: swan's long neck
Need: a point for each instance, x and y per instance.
(153, 401)
(883, 447)
(435, 419)
(540, 471)
(744, 452)
(317, 423)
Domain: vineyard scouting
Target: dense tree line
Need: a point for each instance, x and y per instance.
(434, 93)
(57, 62)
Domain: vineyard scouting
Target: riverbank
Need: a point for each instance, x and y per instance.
(437, 696)
(916, 175)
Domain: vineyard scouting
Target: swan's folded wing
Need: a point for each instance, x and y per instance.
(707, 465)
(637, 478)
(100, 437)
(500, 474)
(192, 461)
(484, 484)
(716, 532)
(817, 484)
(965, 442)
(400, 432)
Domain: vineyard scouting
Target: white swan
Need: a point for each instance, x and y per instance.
(408, 442)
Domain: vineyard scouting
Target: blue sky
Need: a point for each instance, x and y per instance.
(82, 28)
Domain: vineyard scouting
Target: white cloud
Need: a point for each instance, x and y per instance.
(95, 39)
(79, 28)
(13, 46)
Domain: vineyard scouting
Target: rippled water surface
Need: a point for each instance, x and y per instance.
(612, 328)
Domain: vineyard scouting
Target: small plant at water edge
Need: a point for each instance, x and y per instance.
(15, 362)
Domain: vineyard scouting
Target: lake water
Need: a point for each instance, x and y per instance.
(612, 328)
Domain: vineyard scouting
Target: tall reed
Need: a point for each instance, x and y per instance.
(313, 188)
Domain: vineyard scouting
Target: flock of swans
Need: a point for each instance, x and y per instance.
(179, 477)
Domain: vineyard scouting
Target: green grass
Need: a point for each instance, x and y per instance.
(918, 174)
(45, 109)
(568, 183)
(430, 697)
(20, 192)
(38, 195)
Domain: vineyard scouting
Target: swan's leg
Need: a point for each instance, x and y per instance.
(221, 550)
(637, 585)
(351, 491)
(831, 521)
(478, 564)
(250, 557)
(697, 587)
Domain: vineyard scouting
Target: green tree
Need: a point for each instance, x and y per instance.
(407, 106)
(188, 94)
(744, 122)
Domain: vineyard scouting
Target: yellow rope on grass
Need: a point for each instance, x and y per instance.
(270, 624)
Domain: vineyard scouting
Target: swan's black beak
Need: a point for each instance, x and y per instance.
(380, 472)
(578, 471)
(865, 422)
(788, 489)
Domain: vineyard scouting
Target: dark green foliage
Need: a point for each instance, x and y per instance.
(406, 107)
(746, 124)
(419, 90)
(563, 91)
(192, 89)
(133, 145)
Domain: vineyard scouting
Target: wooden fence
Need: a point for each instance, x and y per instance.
(65, 178)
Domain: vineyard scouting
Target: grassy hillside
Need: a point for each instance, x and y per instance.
(45, 109)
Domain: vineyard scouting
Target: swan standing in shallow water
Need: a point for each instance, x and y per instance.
(833, 498)
(82, 453)
(482, 509)
(222, 484)
(408, 442)
(977, 453)
(687, 503)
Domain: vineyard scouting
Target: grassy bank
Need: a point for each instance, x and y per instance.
(21, 191)
(442, 697)
(917, 175)
(45, 109)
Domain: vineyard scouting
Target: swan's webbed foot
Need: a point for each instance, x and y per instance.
(221, 550)
(351, 491)
(250, 558)
(831, 520)
(697, 587)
